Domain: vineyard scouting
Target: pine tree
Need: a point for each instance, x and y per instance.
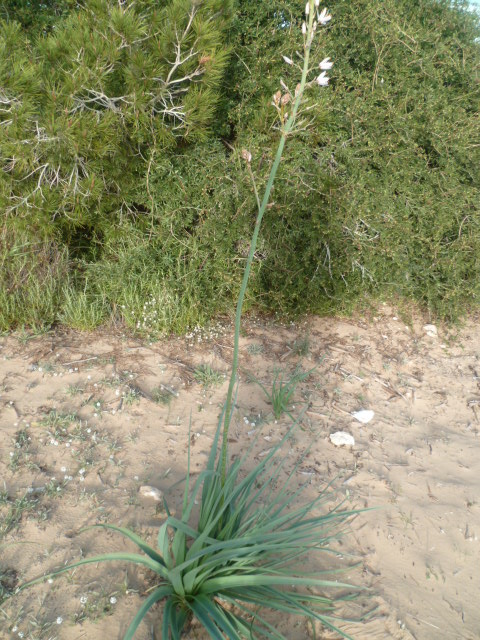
(85, 110)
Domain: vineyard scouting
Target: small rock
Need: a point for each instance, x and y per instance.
(341, 438)
(364, 415)
(430, 330)
(151, 492)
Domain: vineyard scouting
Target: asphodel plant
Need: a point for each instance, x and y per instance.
(282, 100)
(243, 553)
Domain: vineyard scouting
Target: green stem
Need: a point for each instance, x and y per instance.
(261, 210)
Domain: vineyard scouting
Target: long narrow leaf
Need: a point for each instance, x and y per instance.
(158, 594)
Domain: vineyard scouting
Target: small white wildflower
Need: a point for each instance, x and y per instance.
(325, 64)
(82, 471)
(307, 8)
(59, 620)
(15, 629)
(11, 454)
(287, 60)
(317, 3)
(113, 600)
(322, 79)
(83, 600)
(67, 444)
(20, 634)
(63, 469)
(82, 479)
(304, 28)
(50, 580)
(324, 16)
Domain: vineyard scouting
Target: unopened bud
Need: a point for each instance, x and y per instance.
(285, 98)
(287, 60)
(304, 28)
(307, 8)
(297, 89)
(276, 97)
(246, 155)
(317, 2)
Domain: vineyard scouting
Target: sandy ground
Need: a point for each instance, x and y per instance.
(120, 419)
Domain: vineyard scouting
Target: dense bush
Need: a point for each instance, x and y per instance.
(145, 195)
(381, 193)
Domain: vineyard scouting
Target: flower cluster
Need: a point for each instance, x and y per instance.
(313, 18)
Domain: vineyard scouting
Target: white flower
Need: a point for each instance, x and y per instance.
(113, 600)
(324, 16)
(304, 28)
(50, 580)
(317, 2)
(59, 620)
(322, 79)
(325, 64)
(82, 471)
(307, 8)
(20, 634)
(83, 600)
(287, 60)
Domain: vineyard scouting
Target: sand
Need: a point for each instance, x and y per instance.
(128, 404)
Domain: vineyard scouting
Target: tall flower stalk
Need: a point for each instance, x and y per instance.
(313, 18)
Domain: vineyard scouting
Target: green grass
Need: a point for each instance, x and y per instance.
(282, 391)
(208, 377)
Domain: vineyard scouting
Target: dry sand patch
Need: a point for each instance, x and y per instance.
(86, 420)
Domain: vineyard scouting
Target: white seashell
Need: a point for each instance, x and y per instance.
(151, 492)
(363, 416)
(430, 330)
(341, 438)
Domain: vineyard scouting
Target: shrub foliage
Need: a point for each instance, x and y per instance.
(119, 145)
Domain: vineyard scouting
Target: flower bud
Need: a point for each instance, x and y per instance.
(297, 89)
(307, 8)
(246, 155)
(317, 2)
(304, 28)
(287, 60)
(276, 97)
(285, 98)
